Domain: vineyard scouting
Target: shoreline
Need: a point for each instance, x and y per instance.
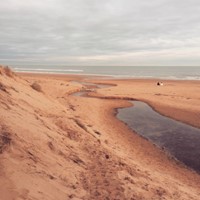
(78, 148)
(112, 77)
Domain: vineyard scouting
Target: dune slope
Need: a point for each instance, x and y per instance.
(57, 146)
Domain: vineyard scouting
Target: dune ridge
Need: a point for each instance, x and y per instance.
(57, 146)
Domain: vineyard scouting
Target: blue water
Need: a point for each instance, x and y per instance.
(184, 73)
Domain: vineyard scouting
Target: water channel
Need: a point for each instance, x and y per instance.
(179, 139)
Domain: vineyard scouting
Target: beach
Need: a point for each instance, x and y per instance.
(54, 145)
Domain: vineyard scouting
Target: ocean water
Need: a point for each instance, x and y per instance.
(162, 72)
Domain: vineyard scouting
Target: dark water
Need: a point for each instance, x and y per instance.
(179, 139)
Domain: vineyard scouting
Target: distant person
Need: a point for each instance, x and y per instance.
(160, 83)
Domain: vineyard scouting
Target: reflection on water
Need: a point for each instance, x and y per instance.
(79, 94)
(181, 140)
(88, 87)
(86, 84)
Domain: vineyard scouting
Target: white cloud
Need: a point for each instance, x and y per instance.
(109, 32)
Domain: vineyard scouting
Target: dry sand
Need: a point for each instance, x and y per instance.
(57, 146)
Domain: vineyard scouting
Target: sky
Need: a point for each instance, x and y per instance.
(100, 32)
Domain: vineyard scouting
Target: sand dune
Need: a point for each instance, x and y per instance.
(57, 146)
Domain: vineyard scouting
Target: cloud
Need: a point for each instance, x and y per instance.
(106, 32)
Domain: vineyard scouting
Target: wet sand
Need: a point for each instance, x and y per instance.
(58, 146)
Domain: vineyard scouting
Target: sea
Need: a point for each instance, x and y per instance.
(146, 72)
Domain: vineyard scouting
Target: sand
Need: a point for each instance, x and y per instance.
(54, 145)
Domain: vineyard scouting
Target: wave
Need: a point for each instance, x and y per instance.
(180, 78)
(192, 77)
(111, 75)
(48, 70)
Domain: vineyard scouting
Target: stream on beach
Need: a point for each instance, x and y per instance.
(179, 139)
(182, 141)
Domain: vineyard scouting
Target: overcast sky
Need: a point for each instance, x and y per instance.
(100, 32)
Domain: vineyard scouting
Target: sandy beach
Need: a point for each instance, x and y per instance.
(54, 145)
